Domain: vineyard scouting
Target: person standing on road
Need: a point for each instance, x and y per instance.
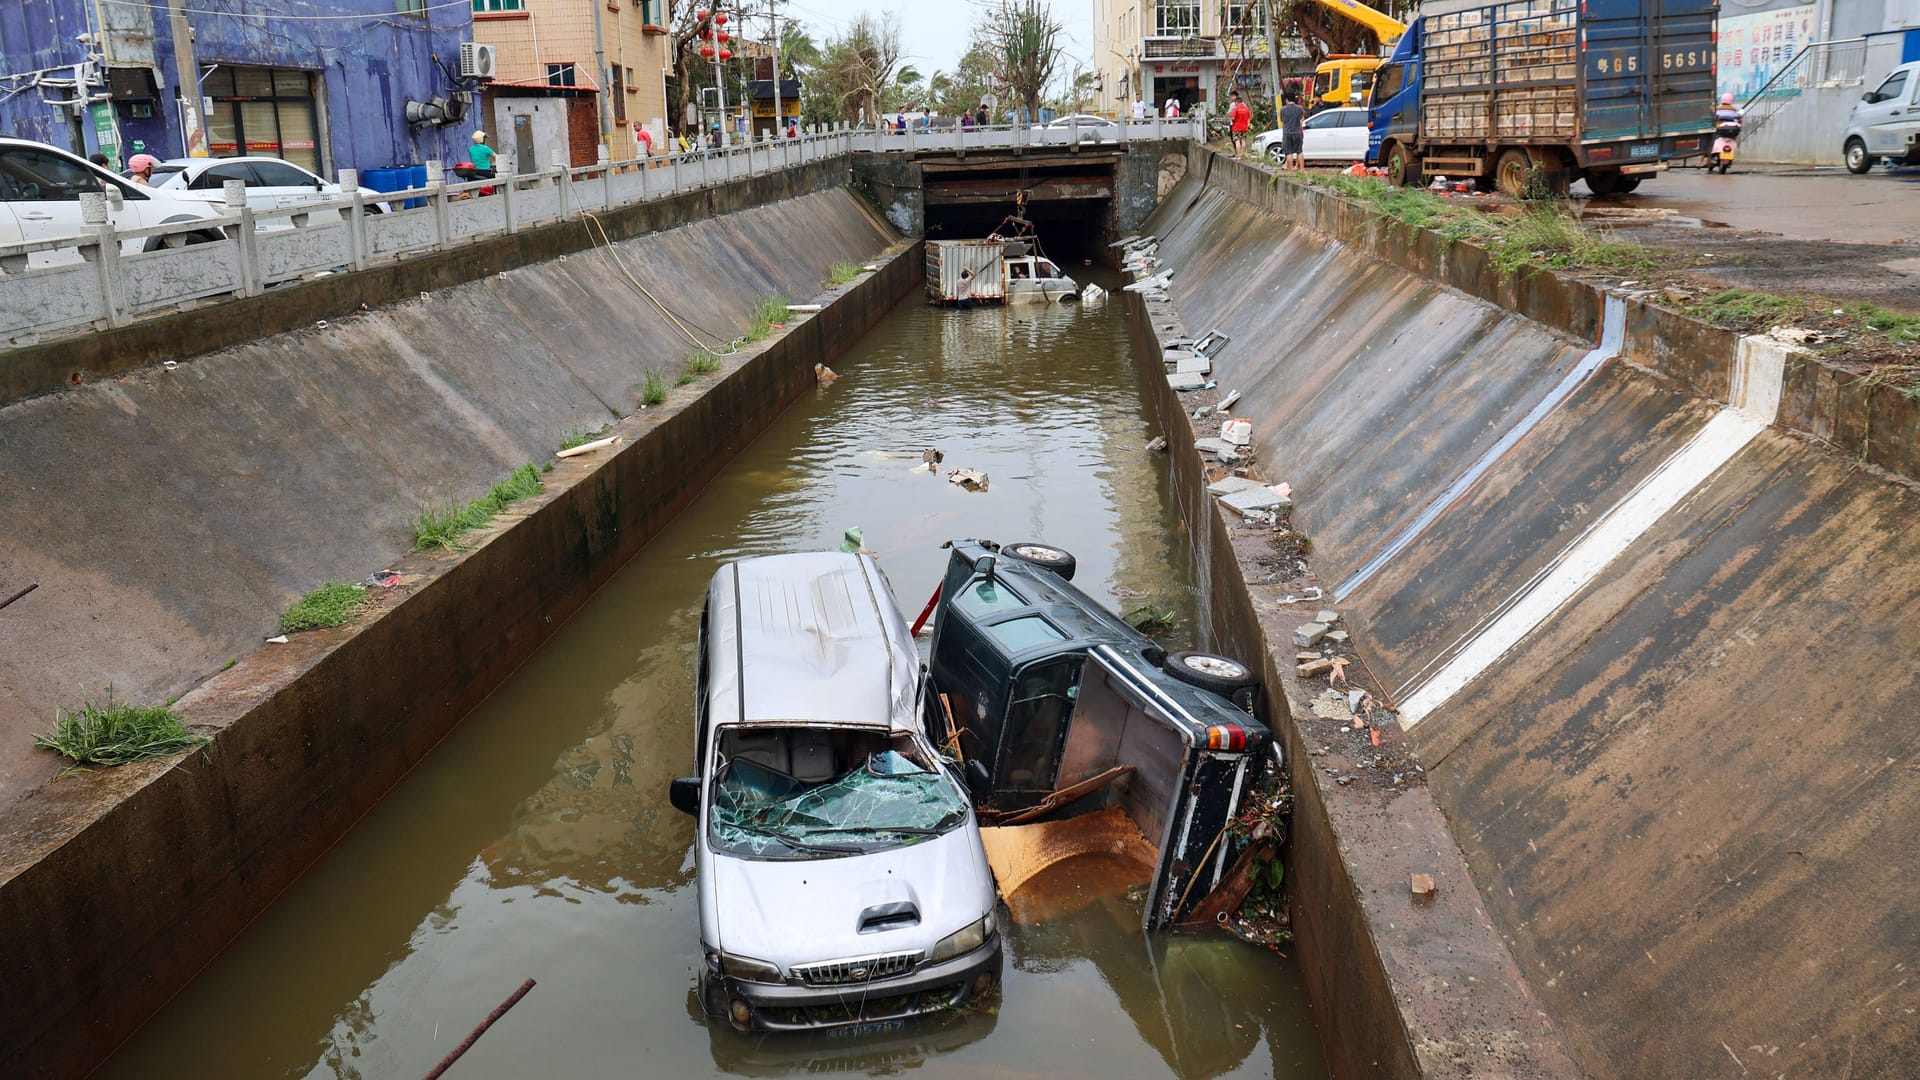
(1239, 119)
(1293, 133)
(482, 157)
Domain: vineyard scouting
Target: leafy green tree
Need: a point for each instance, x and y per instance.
(856, 71)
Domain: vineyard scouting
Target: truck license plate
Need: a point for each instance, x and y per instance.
(1645, 150)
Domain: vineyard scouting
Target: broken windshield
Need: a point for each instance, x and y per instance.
(887, 800)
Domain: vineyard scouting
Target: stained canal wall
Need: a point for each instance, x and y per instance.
(169, 515)
(1639, 591)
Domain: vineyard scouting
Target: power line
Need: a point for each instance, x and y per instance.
(383, 16)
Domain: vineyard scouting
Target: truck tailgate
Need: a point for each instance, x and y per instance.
(1647, 69)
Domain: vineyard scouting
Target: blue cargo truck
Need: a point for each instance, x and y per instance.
(1545, 92)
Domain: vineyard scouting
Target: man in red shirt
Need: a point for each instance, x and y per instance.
(1240, 118)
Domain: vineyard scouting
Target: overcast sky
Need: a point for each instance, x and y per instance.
(934, 32)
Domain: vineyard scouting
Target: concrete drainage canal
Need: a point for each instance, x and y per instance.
(537, 842)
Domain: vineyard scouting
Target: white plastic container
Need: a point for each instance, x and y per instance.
(1239, 432)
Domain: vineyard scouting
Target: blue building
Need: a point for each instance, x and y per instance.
(325, 84)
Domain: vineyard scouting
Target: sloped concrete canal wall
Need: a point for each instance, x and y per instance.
(1650, 637)
(170, 515)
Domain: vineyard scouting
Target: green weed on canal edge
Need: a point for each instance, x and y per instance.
(842, 273)
(654, 390)
(442, 526)
(580, 436)
(116, 733)
(1540, 237)
(329, 605)
(771, 311)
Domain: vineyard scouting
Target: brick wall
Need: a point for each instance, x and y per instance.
(583, 131)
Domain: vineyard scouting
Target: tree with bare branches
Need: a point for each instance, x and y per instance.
(858, 68)
(1024, 40)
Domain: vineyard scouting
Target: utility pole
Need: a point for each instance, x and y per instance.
(193, 129)
(607, 86)
(773, 23)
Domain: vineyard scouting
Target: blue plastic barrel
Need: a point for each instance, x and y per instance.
(416, 177)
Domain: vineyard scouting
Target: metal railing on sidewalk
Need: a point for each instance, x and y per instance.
(106, 276)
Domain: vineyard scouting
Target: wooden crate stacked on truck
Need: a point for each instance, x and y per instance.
(1547, 112)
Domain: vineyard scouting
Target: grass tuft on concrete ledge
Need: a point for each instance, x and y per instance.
(329, 605)
(441, 527)
(116, 733)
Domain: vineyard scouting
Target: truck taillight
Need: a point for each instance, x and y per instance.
(1226, 737)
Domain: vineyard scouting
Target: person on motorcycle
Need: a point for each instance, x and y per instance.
(1727, 115)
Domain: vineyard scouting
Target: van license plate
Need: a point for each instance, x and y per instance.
(875, 1027)
(1644, 150)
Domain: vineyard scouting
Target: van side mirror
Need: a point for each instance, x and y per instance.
(684, 794)
(1870, 97)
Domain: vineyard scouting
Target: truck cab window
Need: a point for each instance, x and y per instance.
(1036, 721)
(1390, 81)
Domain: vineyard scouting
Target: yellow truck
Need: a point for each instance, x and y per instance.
(1347, 78)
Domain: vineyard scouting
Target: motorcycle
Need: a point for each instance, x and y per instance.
(467, 173)
(1726, 139)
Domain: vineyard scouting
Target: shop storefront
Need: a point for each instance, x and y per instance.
(264, 112)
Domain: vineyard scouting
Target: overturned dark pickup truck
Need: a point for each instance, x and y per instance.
(1062, 711)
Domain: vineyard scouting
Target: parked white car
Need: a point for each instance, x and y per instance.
(1886, 122)
(272, 184)
(842, 880)
(41, 185)
(1093, 129)
(1329, 135)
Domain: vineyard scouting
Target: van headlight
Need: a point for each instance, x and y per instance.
(965, 940)
(746, 967)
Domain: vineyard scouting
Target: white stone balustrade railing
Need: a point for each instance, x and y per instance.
(104, 277)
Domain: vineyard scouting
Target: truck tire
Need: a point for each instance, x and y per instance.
(1628, 183)
(1401, 168)
(1859, 163)
(1510, 172)
(1210, 672)
(1606, 182)
(1045, 556)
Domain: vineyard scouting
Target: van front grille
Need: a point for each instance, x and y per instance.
(860, 969)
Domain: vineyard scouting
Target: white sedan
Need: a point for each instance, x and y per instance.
(1330, 135)
(272, 184)
(40, 189)
(1093, 129)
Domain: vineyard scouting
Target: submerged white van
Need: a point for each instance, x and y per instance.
(840, 871)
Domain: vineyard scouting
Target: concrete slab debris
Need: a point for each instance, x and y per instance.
(1199, 365)
(1219, 448)
(1327, 616)
(1254, 500)
(1307, 635)
(1231, 485)
(1186, 380)
(1338, 637)
(1317, 666)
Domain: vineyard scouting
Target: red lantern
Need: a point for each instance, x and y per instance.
(724, 37)
(720, 19)
(707, 51)
(701, 15)
(725, 55)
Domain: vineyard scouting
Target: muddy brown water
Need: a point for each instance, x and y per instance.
(538, 842)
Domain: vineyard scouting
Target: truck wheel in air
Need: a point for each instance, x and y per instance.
(1400, 168)
(1858, 163)
(1058, 560)
(1210, 672)
(1510, 172)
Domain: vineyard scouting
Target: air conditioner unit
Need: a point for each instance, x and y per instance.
(476, 60)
